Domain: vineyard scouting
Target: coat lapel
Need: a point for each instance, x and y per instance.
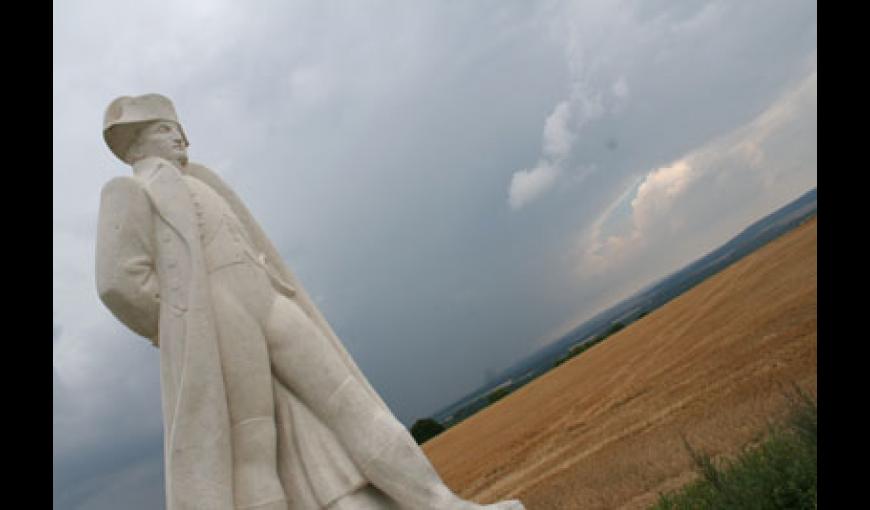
(169, 193)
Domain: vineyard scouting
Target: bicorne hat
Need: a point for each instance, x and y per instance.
(125, 115)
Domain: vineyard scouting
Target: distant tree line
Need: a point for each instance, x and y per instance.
(577, 349)
(426, 428)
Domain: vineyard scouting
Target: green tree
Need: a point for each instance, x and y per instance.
(425, 429)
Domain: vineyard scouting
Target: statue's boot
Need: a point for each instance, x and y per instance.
(388, 456)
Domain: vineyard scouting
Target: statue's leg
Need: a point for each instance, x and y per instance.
(248, 379)
(304, 360)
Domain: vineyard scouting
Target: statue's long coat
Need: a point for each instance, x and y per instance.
(151, 274)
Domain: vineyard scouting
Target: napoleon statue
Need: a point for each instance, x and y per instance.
(263, 407)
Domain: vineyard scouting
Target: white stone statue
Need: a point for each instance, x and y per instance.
(263, 407)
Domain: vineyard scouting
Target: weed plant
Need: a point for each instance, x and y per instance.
(780, 473)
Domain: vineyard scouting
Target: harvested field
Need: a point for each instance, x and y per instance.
(603, 429)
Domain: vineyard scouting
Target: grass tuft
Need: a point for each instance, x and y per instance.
(780, 473)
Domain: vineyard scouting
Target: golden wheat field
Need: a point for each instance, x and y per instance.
(604, 429)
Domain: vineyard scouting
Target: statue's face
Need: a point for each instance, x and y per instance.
(162, 139)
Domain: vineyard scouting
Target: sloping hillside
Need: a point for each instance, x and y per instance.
(603, 430)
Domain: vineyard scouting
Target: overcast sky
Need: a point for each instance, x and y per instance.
(456, 183)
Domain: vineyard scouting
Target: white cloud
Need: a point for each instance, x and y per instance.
(659, 190)
(580, 29)
(558, 137)
(527, 185)
(707, 195)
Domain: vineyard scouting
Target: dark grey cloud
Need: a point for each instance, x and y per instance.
(133, 480)
(106, 409)
(379, 143)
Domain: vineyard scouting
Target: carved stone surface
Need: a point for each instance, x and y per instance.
(263, 407)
